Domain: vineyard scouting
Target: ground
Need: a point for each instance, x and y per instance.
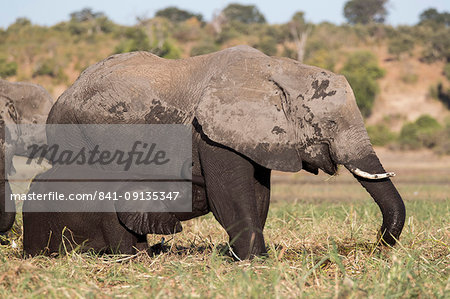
(405, 89)
(319, 233)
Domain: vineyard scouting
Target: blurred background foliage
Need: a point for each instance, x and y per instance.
(362, 71)
(54, 56)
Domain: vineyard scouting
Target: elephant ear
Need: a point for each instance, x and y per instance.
(245, 109)
(159, 221)
(143, 223)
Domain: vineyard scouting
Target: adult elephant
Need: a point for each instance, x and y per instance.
(21, 103)
(9, 135)
(250, 114)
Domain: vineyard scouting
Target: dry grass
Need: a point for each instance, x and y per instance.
(320, 238)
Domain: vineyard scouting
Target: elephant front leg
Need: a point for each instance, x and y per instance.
(230, 189)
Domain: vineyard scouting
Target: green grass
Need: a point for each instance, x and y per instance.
(321, 250)
(320, 234)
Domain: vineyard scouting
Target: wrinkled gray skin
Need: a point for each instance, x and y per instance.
(103, 234)
(8, 116)
(33, 104)
(21, 103)
(250, 113)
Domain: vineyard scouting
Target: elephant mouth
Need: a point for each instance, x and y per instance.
(330, 166)
(322, 160)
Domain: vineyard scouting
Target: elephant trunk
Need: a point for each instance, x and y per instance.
(372, 176)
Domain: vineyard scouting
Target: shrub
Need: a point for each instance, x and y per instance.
(187, 31)
(447, 70)
(7, 69)
(400, 45)
(362, 71)
(288, 52)
(136, 40)
(424, 132)
(204, 48)
(380, 134)
(268, 45)
(437, 45)
(168, 50)
(439, 93)
(409, 136)
(322, 58)
(443, 142)
(228, 32)
(49, 67)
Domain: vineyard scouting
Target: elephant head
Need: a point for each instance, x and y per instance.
(287, 116)
(33, 103)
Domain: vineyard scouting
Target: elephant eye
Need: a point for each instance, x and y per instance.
(332, 125)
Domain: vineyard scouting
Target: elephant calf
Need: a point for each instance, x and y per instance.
(250, 114)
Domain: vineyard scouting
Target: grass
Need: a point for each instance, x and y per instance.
(319, 233)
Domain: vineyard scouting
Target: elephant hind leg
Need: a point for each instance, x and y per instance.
(230, 189)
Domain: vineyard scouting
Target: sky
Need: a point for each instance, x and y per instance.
(50, 12)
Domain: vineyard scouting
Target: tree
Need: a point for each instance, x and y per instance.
(86, 14)
(243, 13)
(218, 21)
(19, 24)
(362, 71)
(176, 15)
(299, 30)
(88, 21)
(365, 11)
(433, 17)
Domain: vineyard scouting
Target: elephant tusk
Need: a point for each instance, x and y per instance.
(370, 176)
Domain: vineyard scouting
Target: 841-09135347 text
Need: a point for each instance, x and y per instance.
(97, 195)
